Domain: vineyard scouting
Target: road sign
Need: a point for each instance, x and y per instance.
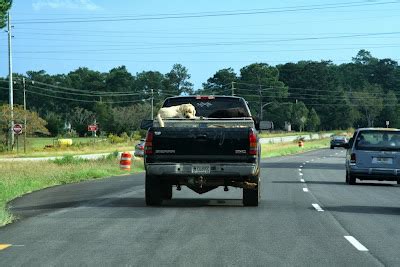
(17, 128)
(92, 128)
(387, 123)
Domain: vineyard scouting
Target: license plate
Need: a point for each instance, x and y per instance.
(382, 160)
(201, 169)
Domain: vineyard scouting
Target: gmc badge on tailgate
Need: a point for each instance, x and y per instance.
(240, 151)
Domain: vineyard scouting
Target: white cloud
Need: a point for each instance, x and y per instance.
(65, 4)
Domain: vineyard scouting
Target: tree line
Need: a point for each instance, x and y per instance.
(311, 95)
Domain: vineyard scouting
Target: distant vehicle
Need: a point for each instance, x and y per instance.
(139, 148)
(373, 154)
(338, 141)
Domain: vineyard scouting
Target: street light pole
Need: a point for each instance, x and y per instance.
(10, 78)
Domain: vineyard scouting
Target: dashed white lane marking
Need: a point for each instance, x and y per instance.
(301, 174)
(301, 166)
(317, 207)
(302, 180)
(300, 170)
(305, 189)
(307, 161)
(355, 243)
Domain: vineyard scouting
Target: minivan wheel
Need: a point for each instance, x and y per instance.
(352, 179)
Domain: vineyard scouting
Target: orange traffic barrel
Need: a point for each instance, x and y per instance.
(125, 162)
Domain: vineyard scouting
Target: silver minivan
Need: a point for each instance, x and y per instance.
(373, 154)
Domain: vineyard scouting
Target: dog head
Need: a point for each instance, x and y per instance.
(188, 111)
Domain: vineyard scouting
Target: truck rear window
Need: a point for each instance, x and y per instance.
(378, 140)
(213, 107)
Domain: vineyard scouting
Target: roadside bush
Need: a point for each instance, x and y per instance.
(69, 160)
(115, 139)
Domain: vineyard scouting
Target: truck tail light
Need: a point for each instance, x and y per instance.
(252, 142)
(353, 158)
(148, 147)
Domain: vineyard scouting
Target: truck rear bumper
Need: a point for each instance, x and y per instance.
(216, 169)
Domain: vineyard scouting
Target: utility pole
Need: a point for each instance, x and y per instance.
(10, 78)
(23, 84)
(261, 104)
(152, 104)
(233, 88)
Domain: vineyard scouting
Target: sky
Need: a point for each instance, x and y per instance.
(59, 36)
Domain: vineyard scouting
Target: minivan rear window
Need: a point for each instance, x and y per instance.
(378, 140)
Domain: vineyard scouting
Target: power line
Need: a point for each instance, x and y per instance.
(204, 14)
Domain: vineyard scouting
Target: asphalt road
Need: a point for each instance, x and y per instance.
(318, 221)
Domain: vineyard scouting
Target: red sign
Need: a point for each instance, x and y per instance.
(17, 128)
(92, 128)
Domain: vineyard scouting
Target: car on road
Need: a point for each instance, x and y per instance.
(373, 154)
(139, 148)
(338, 141)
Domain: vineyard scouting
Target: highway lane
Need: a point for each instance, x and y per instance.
(106, 222)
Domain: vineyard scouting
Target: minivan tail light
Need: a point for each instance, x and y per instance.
(353, 158)
(252, 142)
(148, 147)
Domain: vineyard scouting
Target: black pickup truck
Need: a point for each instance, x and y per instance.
(217, 148)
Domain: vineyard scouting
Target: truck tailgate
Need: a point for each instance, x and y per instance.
(200, 144)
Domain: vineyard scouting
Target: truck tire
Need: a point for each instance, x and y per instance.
(152, 191)
(166, 191)
(251, 197)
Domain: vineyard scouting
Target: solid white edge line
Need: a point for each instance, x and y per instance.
(302, 180)
(355, 243)
(305, 189)
(317, 207)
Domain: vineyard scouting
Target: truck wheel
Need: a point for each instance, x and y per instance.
(251, 197)
(166, 191)
(152, 191)
(332, 147)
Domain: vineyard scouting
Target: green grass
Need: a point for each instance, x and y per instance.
(36, 147)
(19, 178)
(282, 149)
(282, 134)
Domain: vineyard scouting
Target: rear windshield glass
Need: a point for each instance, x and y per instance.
(378, 140)
(219, 107)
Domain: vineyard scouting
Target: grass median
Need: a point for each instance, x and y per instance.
(19, 178)
(283, 149)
